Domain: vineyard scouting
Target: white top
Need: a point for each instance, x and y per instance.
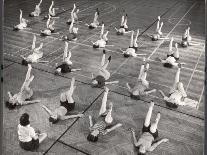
(101, 43)
(26, 133)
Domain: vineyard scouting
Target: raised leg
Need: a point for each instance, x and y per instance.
(102, 31)
(103, 58)
(135, 39)
(160, 29)
(20, 17)
(65, 55)
(153, 127)
(170, 45)
(176, 53)
(48, 21)
(105, 36)
(108, 117)
(69, 93)
(107, 63)
(181, 89)
(104, 100)
(149, 114)
(122, 20)
(158, 24)
(33, 43)
(125, 22)
(177, 79)
(132, 40)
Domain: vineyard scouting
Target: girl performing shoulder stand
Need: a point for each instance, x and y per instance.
(148, 139)
(104, 123)
(158, 35)
(29, 139)
(65, 67)
(73, 15)
(35, 56)
(37, 10)
(103, 39)
(25, 94)
(177, 93)
(131, 51)
(123, 28)
(73, 31)
(52, 12)
(187, 39)
(23, 23)
(172, 56)
(103, 74)
(67, 104)
(50, 29)
(95, 22)
(142, 84)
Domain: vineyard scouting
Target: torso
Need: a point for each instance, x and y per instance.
(176, 96)
(146, 139)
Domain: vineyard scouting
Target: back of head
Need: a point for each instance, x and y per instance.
(24, 119)
(92, 138)
(9, 105)
(53, 121)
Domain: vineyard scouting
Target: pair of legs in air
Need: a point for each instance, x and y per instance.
(104, 123)
(50, 27)
(103, 73)
(65, 67)
(177, 93)
(22, 23)
(52, 11)
(131, 50)
(123, 27)
(25, 94)
(67, 104)
(37, 10)
(146, 143)
(95, 22)
(35, 56)
(142, 84)
(73, 15)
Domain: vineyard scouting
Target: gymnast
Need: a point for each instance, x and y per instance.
(74, 15)
(67, 104)
(25, 94)
(73, 31)
(187, 39)
(148, 140)
(65, 67)
(29, 139)
(50, 29)
(159, 34)
(52, 12)
(35, 56)
(104, 123)
(142, 84)
(103, 75)
(37, 10)
(95, 22)
(177, 93)
(23, 23)
(101, 43)
(123, 28)
(131, 50)
(172, 56)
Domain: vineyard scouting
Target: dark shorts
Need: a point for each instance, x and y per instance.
(91, 27)
(168, 65)
(147, 129)
(126, 55)
(24, 62)
(31, 15)
(15, 28)
(68, 106)
(65, 68)
(68, 22)
(184, 44)
(71, 36)
(30, 146)
(52, 31)
(135, 97)
(171, 105)
(171, 55)
(95, 46)
(135, 48)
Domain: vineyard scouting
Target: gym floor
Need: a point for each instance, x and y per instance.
(183, 127)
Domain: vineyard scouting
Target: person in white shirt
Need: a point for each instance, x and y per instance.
(29, 139)
(123, 28)
(95, 22)
(23, 23)
(37, 10)
(25, 94)
(177, 93)
(50, 29)
(35, 56)
(73, 15)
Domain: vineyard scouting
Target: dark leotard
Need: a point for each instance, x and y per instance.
(65, 68)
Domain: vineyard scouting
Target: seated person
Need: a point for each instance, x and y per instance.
(37, 10)
(50, 29)
(172, 56)
(67, 104)
(35, 56)
(103, 75)
(158, 35)
(177, 93)
(123, 28)
(142, 85)
(95, 22)
(148, 140)
(101, 43)
(23, 23)
(74, 15)
(131, 50)
(104, 122)
(29, 139)
(25, 94)
(65, 67)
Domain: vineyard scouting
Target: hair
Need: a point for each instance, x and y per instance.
(95, 46)
(24, 62)
(91, 27)
(136, 97)
(171, 105)
(126, 55)
(15, 28)
(92, 138)
(10, 106)
(168, 65)
(24, 119)
(52, 120)
(154, 38)
(184, 43)
(140, 153)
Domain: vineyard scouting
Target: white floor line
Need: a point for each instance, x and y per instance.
(200, 98)
(171, 30)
